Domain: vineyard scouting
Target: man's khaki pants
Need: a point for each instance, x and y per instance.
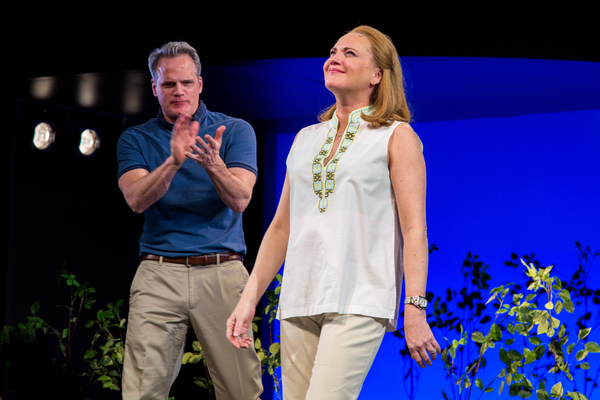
(165, 300)
(328, 356)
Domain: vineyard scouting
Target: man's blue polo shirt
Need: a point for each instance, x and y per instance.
(190, 219)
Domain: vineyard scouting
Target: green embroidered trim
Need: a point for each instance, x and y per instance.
(324, 188)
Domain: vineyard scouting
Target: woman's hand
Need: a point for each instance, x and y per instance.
(419, 339)
(238, 324)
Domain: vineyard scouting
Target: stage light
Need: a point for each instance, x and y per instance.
(43, 135)
(90, 141)
(87, 90)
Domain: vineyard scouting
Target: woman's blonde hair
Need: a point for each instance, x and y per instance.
(388, 96)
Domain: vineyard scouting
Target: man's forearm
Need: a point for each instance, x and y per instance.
(142, 188)
(233, 185)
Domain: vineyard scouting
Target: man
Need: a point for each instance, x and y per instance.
(192, 190)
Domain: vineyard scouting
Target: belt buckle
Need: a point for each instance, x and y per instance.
(187, 261)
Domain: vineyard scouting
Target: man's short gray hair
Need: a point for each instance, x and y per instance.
(170, 50)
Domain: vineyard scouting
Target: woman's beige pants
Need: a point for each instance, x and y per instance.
(328, 356)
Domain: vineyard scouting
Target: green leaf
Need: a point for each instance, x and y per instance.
(106, 361)
(503, 354)
(90, 354)
(539, 351)
(584, 332)
(535, 340)
(558, 307)
(274, 348)
(530, 356)
(542, 394)
(576, 396)
(196, 346)
(495, 333)
(557, 390)
(511, 329)
(524, 393)
(592, 347)
(517, 298)
(581, 354)
(543, 327)
(479, 383)
(477, 337)
(564, 295)
(514, 355)
(584, 366)
(492, 297)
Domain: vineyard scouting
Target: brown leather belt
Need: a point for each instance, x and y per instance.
(190, 261)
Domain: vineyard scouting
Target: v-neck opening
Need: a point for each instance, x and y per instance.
(323, 186)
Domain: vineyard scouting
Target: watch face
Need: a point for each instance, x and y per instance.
(422, 302)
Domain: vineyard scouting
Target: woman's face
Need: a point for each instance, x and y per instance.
(350, 68)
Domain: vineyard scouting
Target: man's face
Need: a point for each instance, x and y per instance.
(177, 86)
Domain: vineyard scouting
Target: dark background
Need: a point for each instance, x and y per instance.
(62, 210)
(47, 42)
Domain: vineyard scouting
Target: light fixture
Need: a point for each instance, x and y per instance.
(89, 142)
(43, 135)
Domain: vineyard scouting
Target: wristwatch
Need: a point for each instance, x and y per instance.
(418, 301)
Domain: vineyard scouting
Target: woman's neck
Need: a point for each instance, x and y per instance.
(344, 109)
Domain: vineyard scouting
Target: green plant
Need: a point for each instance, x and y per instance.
(36, 328)
(105, 357)
(80, 298)
(270, 358)
(462, 314)
(459, 312)
(539, 354)
(534, 345)
(584, 296)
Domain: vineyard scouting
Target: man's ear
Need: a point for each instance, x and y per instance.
(153, 87)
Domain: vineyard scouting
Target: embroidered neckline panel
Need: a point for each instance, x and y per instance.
(324, 187)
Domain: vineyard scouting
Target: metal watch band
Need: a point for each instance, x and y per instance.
(418, 301)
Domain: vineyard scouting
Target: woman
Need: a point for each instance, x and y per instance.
(350, 222)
